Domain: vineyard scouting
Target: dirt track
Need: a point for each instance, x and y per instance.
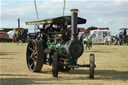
(112, 68)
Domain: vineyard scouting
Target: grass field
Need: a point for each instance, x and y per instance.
(111, 67)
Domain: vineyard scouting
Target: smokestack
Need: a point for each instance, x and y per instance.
(74, 24)
(18, 22)
(74, 47)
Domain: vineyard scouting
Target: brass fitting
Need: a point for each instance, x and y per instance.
(74, 10)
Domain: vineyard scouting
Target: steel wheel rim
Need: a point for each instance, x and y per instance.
(32, 56)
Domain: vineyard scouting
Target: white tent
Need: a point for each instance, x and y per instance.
(10, 33)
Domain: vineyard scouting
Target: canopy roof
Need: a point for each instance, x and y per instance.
(124, 29)
(57, 20)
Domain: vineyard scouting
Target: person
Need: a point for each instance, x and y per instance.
(112, 40)
(104, 41)
(14, 37)
(86, 42)
(116, 40)
(80, 38)
(90, 43)
(120, 37)
(20, 38)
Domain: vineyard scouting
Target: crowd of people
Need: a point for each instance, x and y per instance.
(120, 39)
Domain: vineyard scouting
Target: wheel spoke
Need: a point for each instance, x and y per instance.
(30, 57)
(35, 53)
(34, 59)
(33, 45)
(32, 65)
(31, 49)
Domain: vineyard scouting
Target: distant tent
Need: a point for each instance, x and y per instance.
(10, 33)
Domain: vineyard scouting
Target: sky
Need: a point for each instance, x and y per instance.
(99, 13)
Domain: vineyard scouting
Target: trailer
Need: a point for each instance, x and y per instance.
(100, 36)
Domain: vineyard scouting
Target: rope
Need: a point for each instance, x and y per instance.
(64, 7)
(36, 15)
(36, 9)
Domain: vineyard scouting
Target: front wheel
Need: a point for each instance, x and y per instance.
(92, 66)
(55, 65)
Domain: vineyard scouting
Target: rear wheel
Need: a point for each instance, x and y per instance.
(55, 65)
(92, 66)
(35, 55)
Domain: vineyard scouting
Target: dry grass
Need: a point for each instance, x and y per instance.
(111, 61)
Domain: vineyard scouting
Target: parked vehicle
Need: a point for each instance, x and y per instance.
(3, 36)
(100, 36)
(123, 36)
(58, 46)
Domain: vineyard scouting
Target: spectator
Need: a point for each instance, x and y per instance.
(120, 38)
(20, 38)
(86, 42)
(116, 40)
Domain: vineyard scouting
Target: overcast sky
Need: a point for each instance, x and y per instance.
(100, 13)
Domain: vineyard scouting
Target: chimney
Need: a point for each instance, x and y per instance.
(74, 24)
(18, 22)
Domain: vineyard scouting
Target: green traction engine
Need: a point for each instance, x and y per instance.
(57, 44)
